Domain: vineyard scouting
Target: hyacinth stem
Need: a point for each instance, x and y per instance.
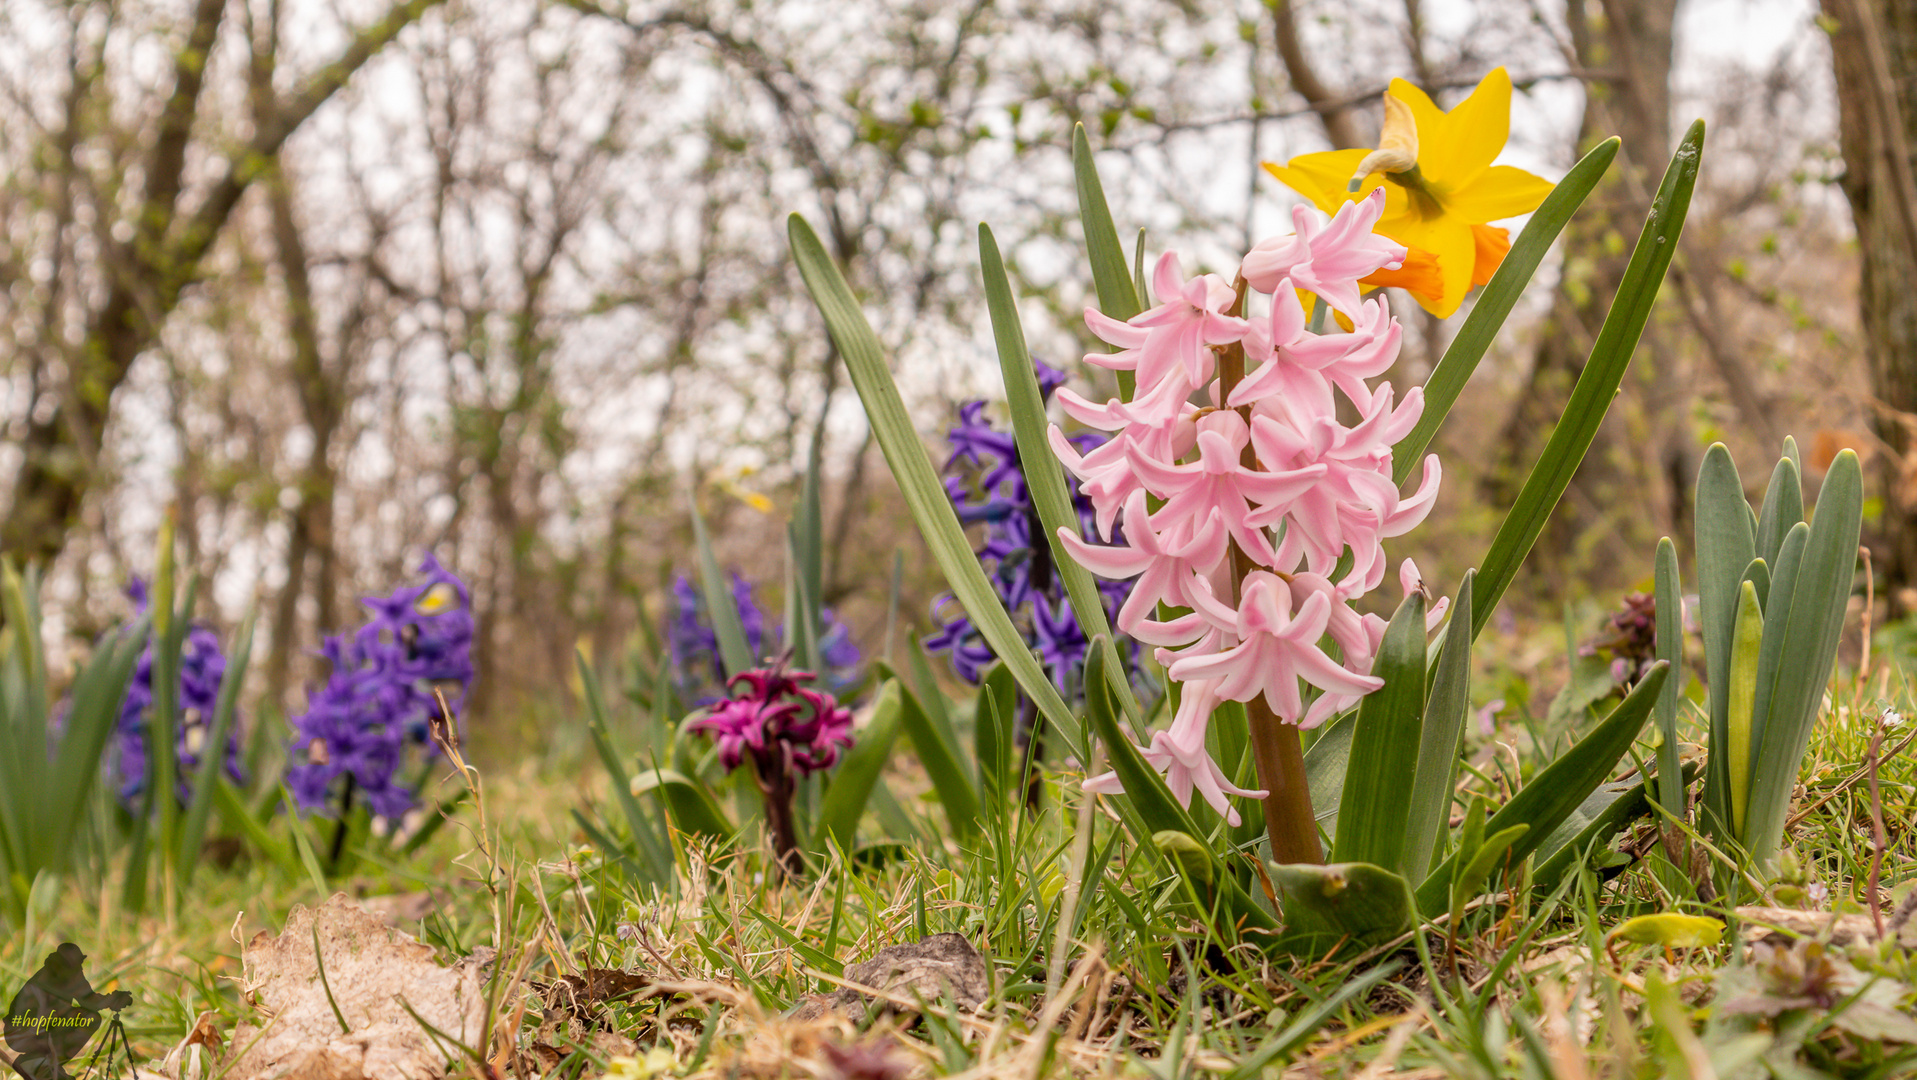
(775, 783)
(339, 829)
(1275, 746)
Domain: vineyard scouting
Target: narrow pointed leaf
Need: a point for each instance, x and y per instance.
(1771, 659)
(1429, 814)
(1747, 637)
(1810, 643)
(1670, 649)
(1726, 544)
(1118, 297)
(1327, 760)
(691, 807)
(734, 649)
(1044, 475)
(996, 712)
(859, 771)
(1495, 302)
(213, 760)
(1598, 384)
(949, 778)
(1783, 508)
(918, 481)
(1375, 806)
(1556, 792)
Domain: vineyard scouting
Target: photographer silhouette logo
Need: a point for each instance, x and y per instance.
(54, 1016)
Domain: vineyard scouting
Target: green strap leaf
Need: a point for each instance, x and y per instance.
(734, 649)
(1044, 475)
(994, 724)
(1726, 544)
(1747, 638)
(1495, 302)
(691, 806)
(1603, 372)
(1777, 615)
(1670, 649)
(1810, 642)
(213, 758)
(1783, 508)
(859, 771)
(1375, 807)
(941, 761)
(1429, 813)
(918, 481)
(1556, 792)
(1117, 296)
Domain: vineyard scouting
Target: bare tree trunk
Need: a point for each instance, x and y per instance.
(1874, 50)
(149, 272)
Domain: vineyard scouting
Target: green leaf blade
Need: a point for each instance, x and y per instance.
(1375, 806)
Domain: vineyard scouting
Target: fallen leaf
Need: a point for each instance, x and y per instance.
(373, 973)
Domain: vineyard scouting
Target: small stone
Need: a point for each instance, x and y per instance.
(929, 968)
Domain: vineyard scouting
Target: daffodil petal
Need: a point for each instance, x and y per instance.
(1473, 135)
(1499, 192)
(1320, 177)
(1493, 245)
(1450, 241)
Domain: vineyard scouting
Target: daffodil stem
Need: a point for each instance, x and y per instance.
(1289, 821)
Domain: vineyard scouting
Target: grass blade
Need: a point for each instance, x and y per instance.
(1374, 808)
(692, 807)
(1044, 476)
(994, 718)
(918, 481)
(1429, 812)
(1598, 384)
(1495, 302)
(655, 852)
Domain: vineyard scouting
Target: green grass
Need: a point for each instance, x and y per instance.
(1523, 988)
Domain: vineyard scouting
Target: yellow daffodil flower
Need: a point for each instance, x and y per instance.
(1440, 205)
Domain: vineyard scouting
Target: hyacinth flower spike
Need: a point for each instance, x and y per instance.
(1179, 752)
(1276, 648)
(783, 730)
(1219, 481)
(1167, 573)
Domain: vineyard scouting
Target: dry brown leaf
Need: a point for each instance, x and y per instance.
(374, 972)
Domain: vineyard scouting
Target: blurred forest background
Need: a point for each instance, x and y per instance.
(348, 279)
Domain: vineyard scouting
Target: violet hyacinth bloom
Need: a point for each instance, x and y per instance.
(202, 669)
(785, 730)
(987, 485)
(379, 698)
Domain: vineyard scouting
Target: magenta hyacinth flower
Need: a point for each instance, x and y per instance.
(1269, 464)
(784, 725)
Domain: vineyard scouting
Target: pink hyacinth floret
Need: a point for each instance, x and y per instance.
(1265, 467)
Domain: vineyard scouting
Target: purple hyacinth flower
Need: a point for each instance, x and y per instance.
(382, 693)
(202, 670)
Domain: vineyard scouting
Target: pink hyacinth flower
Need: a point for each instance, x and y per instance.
(1176, 334)
(1326, 259)
(1276, 647)
(1167, 569)
(1219, 480)
(1179, 753)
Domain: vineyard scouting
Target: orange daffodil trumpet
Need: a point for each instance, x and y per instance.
(1441, 188)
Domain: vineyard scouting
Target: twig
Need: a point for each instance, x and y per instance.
(1876, 829)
